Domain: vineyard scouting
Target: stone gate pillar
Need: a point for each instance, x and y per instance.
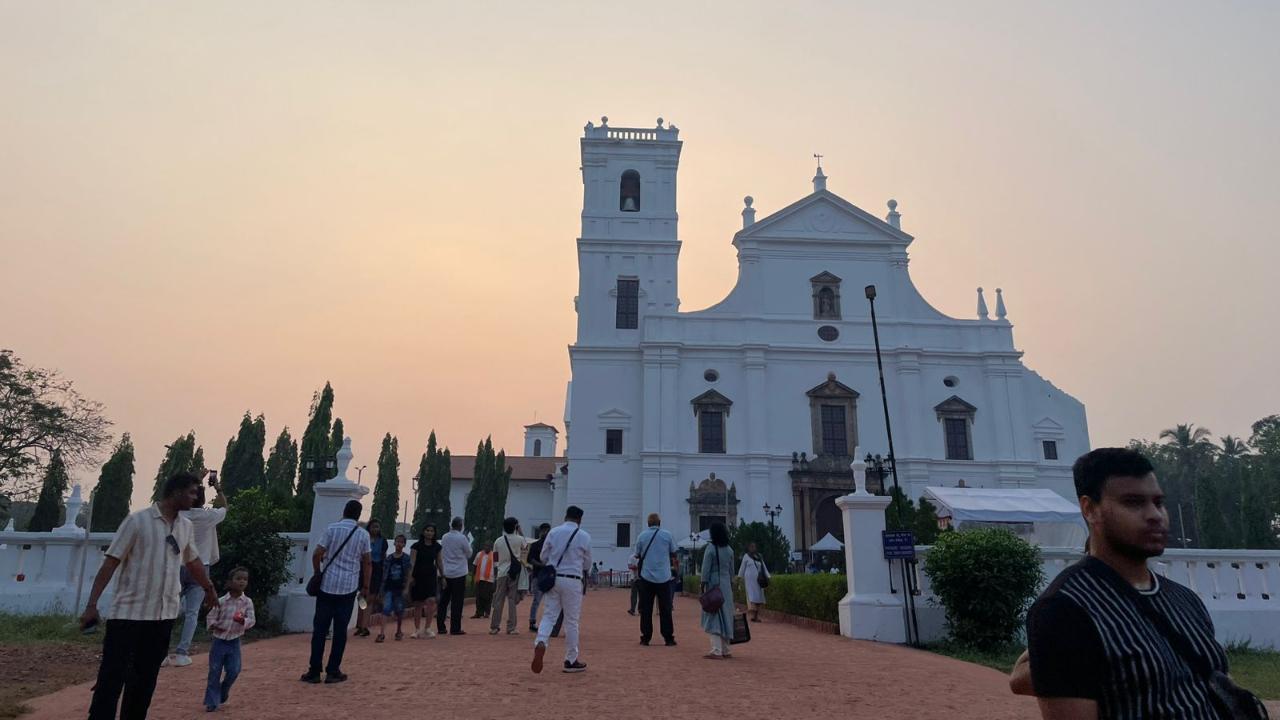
(870, 611)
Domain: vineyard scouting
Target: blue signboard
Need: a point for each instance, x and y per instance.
(898, 544)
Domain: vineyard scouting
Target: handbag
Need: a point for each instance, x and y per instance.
(713, 599)
(547, 573)
(313, 585)
(513, 571)
(762, 576)
(741, 630)
(1228, 699)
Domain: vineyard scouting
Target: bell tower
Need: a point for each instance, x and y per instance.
(628, 248)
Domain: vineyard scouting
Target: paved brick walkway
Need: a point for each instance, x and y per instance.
(785, 672)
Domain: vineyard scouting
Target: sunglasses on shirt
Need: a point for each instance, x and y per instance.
(172, 542)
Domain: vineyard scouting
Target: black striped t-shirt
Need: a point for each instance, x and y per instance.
(1093, 635)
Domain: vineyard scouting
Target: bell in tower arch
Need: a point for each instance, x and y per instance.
(629, 192)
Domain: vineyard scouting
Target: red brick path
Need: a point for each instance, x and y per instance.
(784, 672)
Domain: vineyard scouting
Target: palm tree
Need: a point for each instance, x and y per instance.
(1232, 452)
(1189, 446)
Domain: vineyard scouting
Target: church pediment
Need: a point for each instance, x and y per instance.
(833, 388)
(825, 215)
(712, 398)
(954, 406)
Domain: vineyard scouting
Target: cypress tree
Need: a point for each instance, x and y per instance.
(242, 466)
(114, 488)
(181, 455)
(282, 466)
(435, 477)
(386, 492)
(314, 449)
(49, 508)
(336, 438)
(487, 501)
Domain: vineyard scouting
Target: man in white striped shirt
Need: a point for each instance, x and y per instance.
(1109, 638)
(149, 547)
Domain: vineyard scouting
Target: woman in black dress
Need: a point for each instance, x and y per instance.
(425, 558)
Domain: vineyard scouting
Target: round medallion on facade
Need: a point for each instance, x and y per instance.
(828, 333)
(711, 376)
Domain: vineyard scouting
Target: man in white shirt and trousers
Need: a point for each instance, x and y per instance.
(568, 548)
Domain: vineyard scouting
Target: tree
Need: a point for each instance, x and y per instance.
(336, 438)
(282, 466)
(386, 492)
(242, 466)
(250, 538)
(180, 456)
(487, 501)
(1190, 448)
(435, 480)
(114, 488)
(772, 543)
(41, 412)
(315, 451)
(49, 507)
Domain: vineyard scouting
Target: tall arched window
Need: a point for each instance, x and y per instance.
(537, 447)
(629, 192)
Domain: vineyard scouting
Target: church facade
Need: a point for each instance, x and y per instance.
(760, 401)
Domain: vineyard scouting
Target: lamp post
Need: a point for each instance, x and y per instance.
(773, 512)
(360, 474)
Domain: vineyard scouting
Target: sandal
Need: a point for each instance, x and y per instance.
(380, 638)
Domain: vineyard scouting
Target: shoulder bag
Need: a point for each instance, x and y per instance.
(1228, 699)
(547, 573)
(712, 599)
(513, 570)
(762, 574)
(643, 555)
(313, 585)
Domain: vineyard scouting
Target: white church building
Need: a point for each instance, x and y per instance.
(761, 399)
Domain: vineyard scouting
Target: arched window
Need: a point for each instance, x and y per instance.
(537, 447)
(629, 192)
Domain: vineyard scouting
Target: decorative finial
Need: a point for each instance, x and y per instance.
(1001, 313)
(659, 123)
(748, 212)
(819, 157)
(831, 377)
(604, 121)
(894, 217)
(982, 307)
(820, 178)
(859, 468)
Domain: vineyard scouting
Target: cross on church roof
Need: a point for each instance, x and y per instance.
(819, 157)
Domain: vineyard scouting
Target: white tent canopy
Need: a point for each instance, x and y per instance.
(1055, 521)
(827, 543)
(689, 544)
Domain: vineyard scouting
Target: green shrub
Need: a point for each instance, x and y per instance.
(692, 584)
(985, 579)
(812, 596)
(250, 537)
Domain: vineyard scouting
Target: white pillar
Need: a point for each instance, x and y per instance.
(869, 611)
(331, 497)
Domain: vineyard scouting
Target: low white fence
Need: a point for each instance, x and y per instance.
(1238, 587)
(38, 571)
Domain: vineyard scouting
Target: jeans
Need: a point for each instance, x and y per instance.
(451, 598)
(505, 598)
(335, 611)
(635, 593)
(537, 600)
(224, 657)
(192, 599)
(131, 655)
(649, 591)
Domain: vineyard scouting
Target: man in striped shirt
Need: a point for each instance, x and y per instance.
(1109, 638)
(346, 574)
(149, 547)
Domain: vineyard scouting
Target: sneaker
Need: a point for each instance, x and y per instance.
(513, 631)
(493, 631)
(671, 643)
(168, 660)
(631, 612)
(575, 666)
(644, 642)
(333, 678)
(311, 676)
(459, 632)
(210, 708)
(538, 651)
(533, 628)
(431, 633)
(181, 660)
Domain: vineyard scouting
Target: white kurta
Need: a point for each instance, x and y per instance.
(749, 571)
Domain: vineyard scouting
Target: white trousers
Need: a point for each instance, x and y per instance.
(719, 645)
(566, 596)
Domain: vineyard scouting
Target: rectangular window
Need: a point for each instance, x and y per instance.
(957, 430)
(1050, 449)
(624, 534)
(711, 431)
(613, 441)
(628, 303)
(835, 441)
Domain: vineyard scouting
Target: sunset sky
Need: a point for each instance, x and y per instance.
(213, 207)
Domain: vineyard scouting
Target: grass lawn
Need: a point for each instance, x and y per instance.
(40, 654)
(1257, 670)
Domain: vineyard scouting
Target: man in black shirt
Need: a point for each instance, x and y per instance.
(1109, 638)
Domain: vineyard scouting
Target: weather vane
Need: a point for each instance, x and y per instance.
(819, 157)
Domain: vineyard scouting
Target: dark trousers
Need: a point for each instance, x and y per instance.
(635, 594)
(484, 598)
(131, 655)
(451, 597)
(649, 591)
(224, 668)
(331, 611)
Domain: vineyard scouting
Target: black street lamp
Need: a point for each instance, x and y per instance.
(773, 512)
(880, 467)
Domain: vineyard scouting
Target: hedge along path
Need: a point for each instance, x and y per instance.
(784, 672)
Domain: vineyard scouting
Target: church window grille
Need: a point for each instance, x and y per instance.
(628, 315)
(613, 441)
(623, 538)
(537, 447)
(1050, 449)
(711, 431)
(834, 435)
(957, 430)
